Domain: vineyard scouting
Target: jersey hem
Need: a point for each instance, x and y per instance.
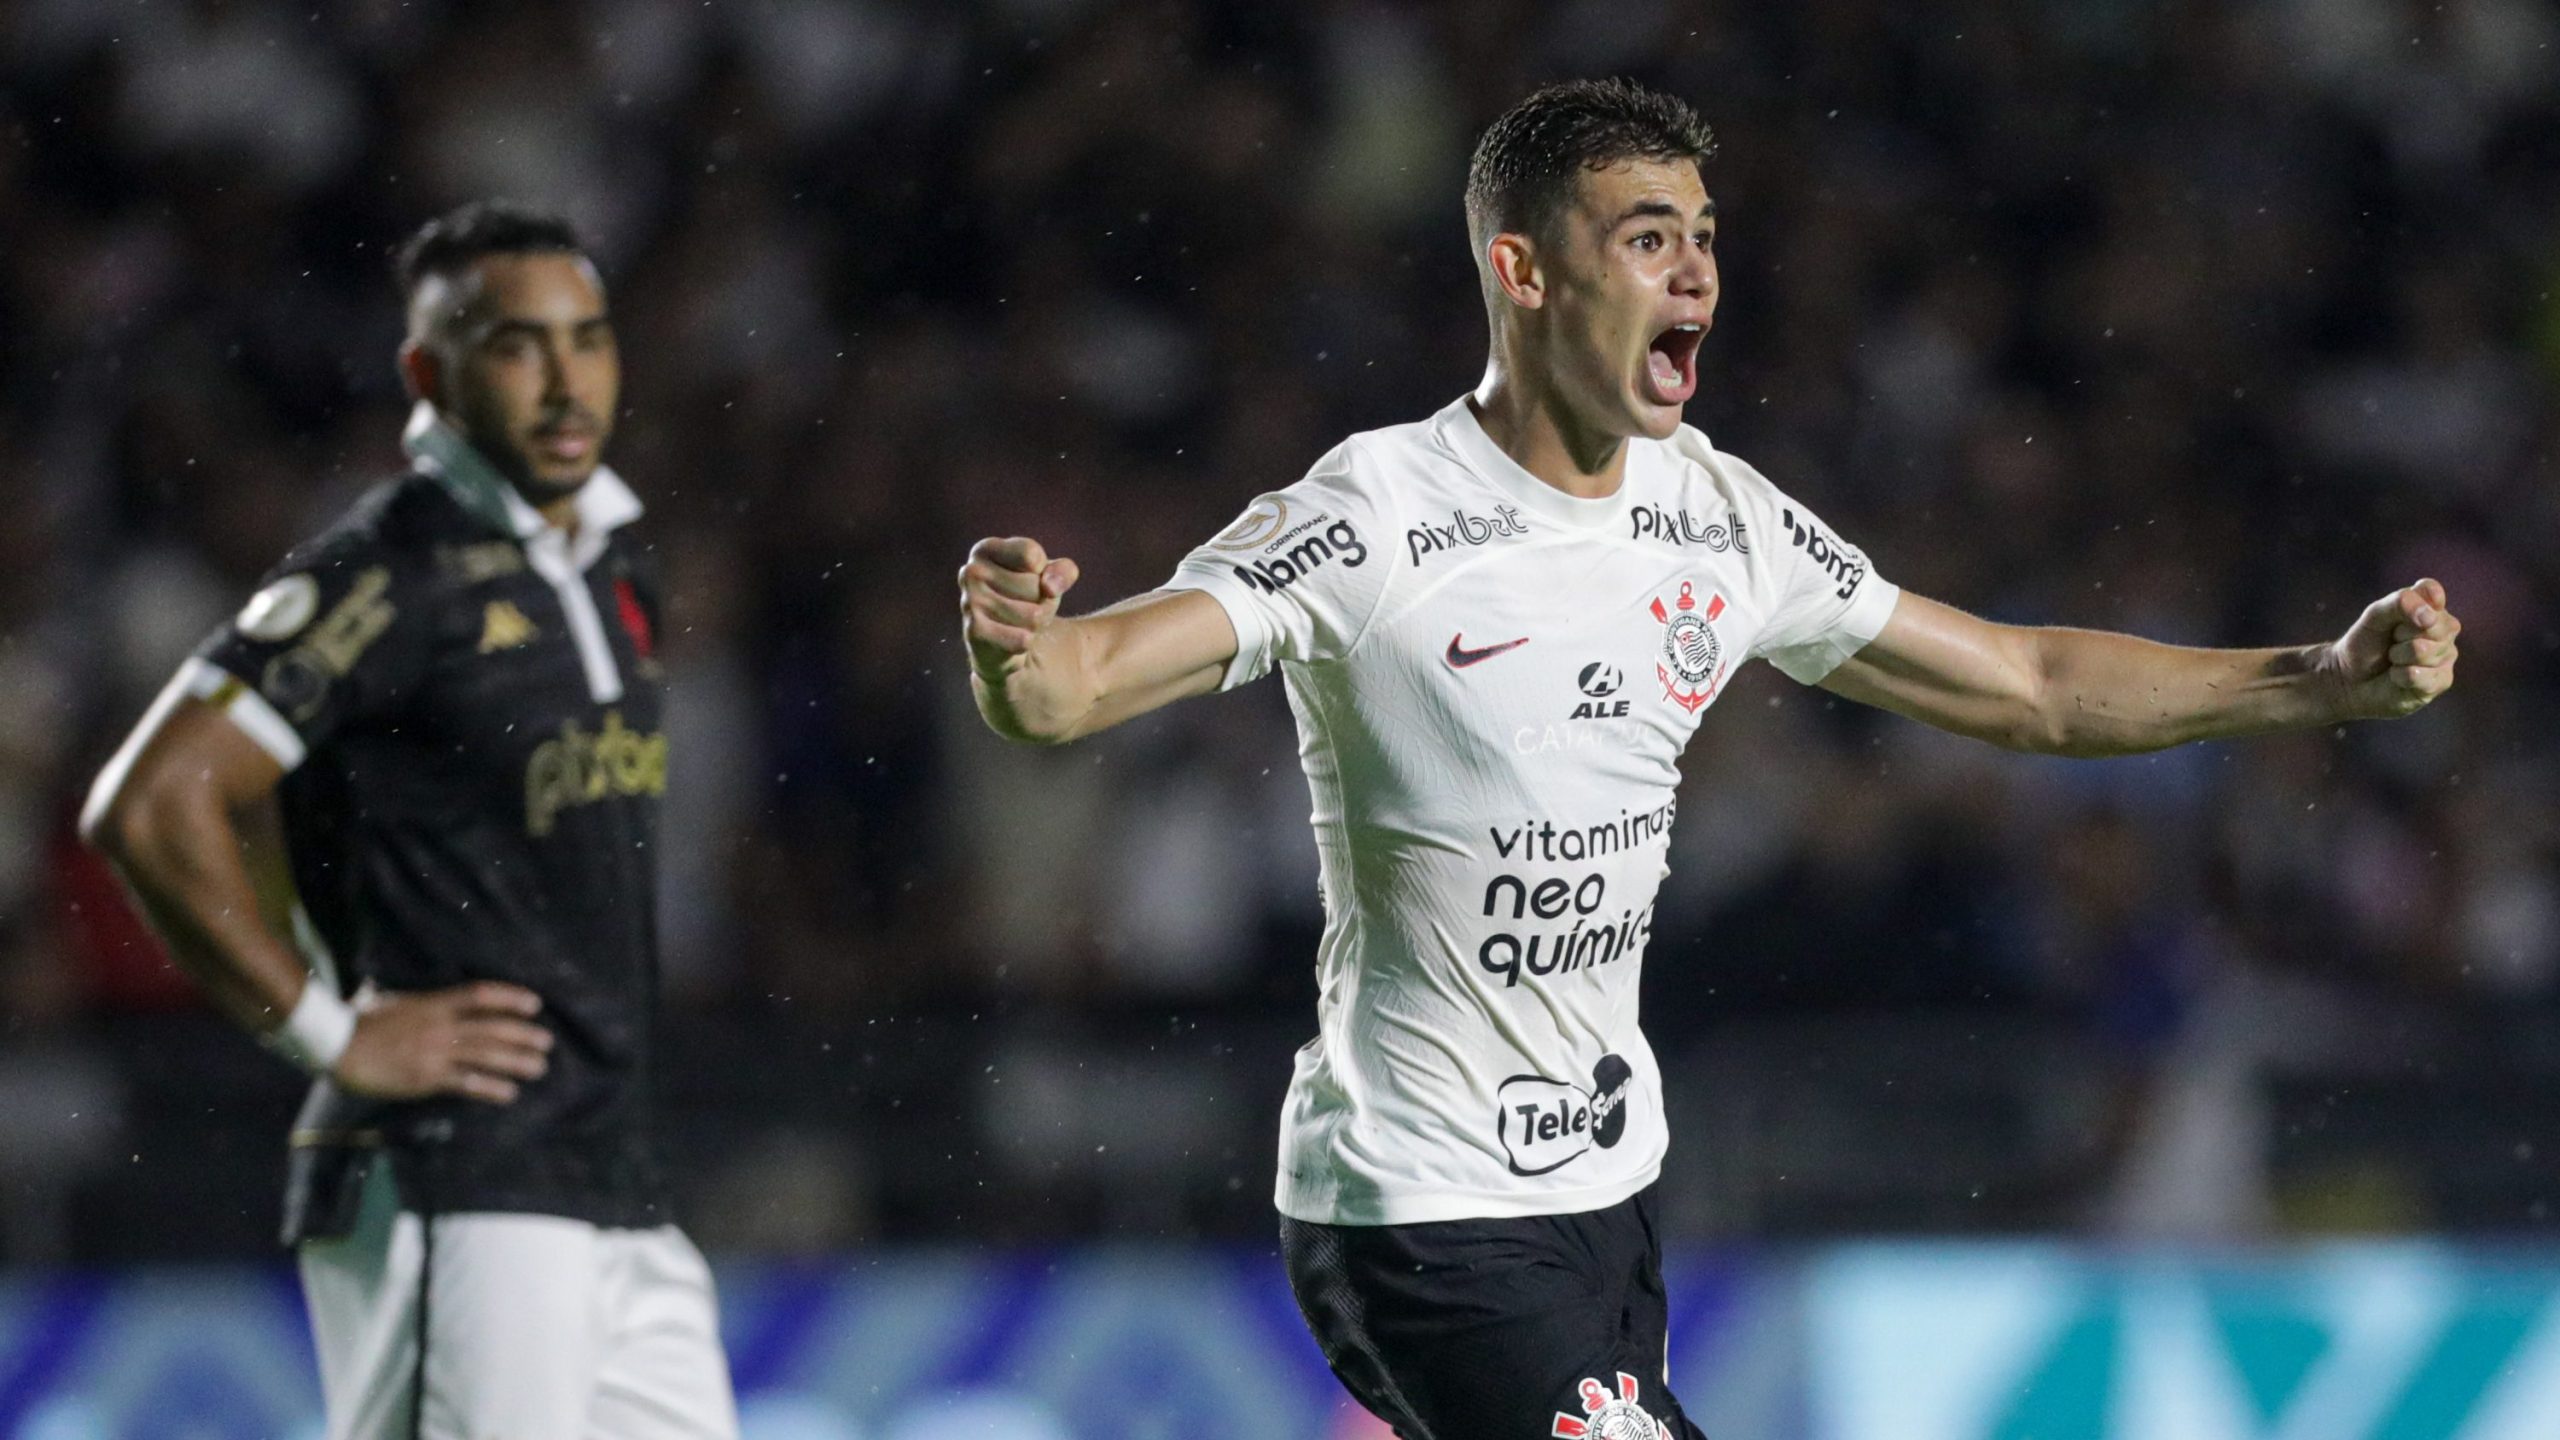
(1466, 1205)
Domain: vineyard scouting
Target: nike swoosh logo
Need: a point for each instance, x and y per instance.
(1461, 657)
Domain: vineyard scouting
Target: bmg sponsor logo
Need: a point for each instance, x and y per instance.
(1463, 529)
(1842, 563)
(1679, 527)
(1295, 563)
(1546, 1124)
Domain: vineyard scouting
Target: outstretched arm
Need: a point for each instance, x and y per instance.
(1046, 679)
(2089, 692)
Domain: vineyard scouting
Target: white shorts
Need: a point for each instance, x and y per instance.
(537, 1328)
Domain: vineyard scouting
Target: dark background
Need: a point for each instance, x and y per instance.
(2207, 321)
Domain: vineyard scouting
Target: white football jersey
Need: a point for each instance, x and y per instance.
(1493, 681)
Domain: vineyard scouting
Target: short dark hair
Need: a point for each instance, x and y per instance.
(1526, 162)
(449, 243)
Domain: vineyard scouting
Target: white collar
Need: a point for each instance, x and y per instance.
(604, 503)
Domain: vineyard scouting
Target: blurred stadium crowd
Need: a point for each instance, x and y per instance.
(2206, 321)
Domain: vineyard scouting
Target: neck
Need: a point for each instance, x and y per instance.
(1533, 426)
(560, 513)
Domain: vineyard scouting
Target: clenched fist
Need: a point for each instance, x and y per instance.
(2399, 654)
(1009, 593)
(477, 1040)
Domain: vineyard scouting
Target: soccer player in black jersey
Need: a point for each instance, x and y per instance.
(451, 697)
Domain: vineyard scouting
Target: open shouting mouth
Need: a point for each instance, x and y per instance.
(1671, 364)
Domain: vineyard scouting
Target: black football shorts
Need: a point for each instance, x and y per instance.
(1550, 1327)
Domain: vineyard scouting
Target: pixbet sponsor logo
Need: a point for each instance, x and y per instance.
(1842, 563)
(1463, 529)
(1295, 563)
(1599, 682)
(1546, 1124)
(1606, 1415)
(1682, 527)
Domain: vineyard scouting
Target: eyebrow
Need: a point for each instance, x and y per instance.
(518, 326)
(1650, 209)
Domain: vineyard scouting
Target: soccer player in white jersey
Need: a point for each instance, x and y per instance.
(1498, 627)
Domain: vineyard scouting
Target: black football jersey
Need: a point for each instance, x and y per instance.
(468, 706)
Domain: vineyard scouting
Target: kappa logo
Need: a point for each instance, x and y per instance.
(503, 627)
(1692, 662)
(1607, 1416)
(1545, 1125)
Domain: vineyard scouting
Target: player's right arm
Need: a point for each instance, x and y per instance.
(1047, 679)
(174, 812)
(186, 813)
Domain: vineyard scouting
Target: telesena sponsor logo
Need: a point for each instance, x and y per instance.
(1683, 527)
(1843, 564)
(1287, 566)
(1545, 1125)
(1462, 530)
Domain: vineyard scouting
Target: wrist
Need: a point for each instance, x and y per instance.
(316, 1031)
(2324, 670)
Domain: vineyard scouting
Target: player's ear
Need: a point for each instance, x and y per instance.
(1513, 259)
(421, 373)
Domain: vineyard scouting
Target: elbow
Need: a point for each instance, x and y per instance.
(1040, 731)
(2037, 731)
(117, 822)
(125, 822)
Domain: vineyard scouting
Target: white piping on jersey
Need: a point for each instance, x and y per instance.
(604, 504)
(203, 680)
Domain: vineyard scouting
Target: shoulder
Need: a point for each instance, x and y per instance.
(397, 523)
(1692, 467)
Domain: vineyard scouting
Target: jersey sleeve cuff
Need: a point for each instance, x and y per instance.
(1860, 624)
(1253, 638)
(248, 709)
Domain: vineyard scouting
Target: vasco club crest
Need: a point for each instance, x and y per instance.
(1607, 1417)
(1692, 655)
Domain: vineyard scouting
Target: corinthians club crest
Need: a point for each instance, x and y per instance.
(1606, 1416)
(1692, 660)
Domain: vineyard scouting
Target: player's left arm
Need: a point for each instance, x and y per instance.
(2060, 691)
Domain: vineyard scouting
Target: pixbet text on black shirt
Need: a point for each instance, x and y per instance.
(478, 799)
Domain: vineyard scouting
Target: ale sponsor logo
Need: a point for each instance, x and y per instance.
(1599, 682)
